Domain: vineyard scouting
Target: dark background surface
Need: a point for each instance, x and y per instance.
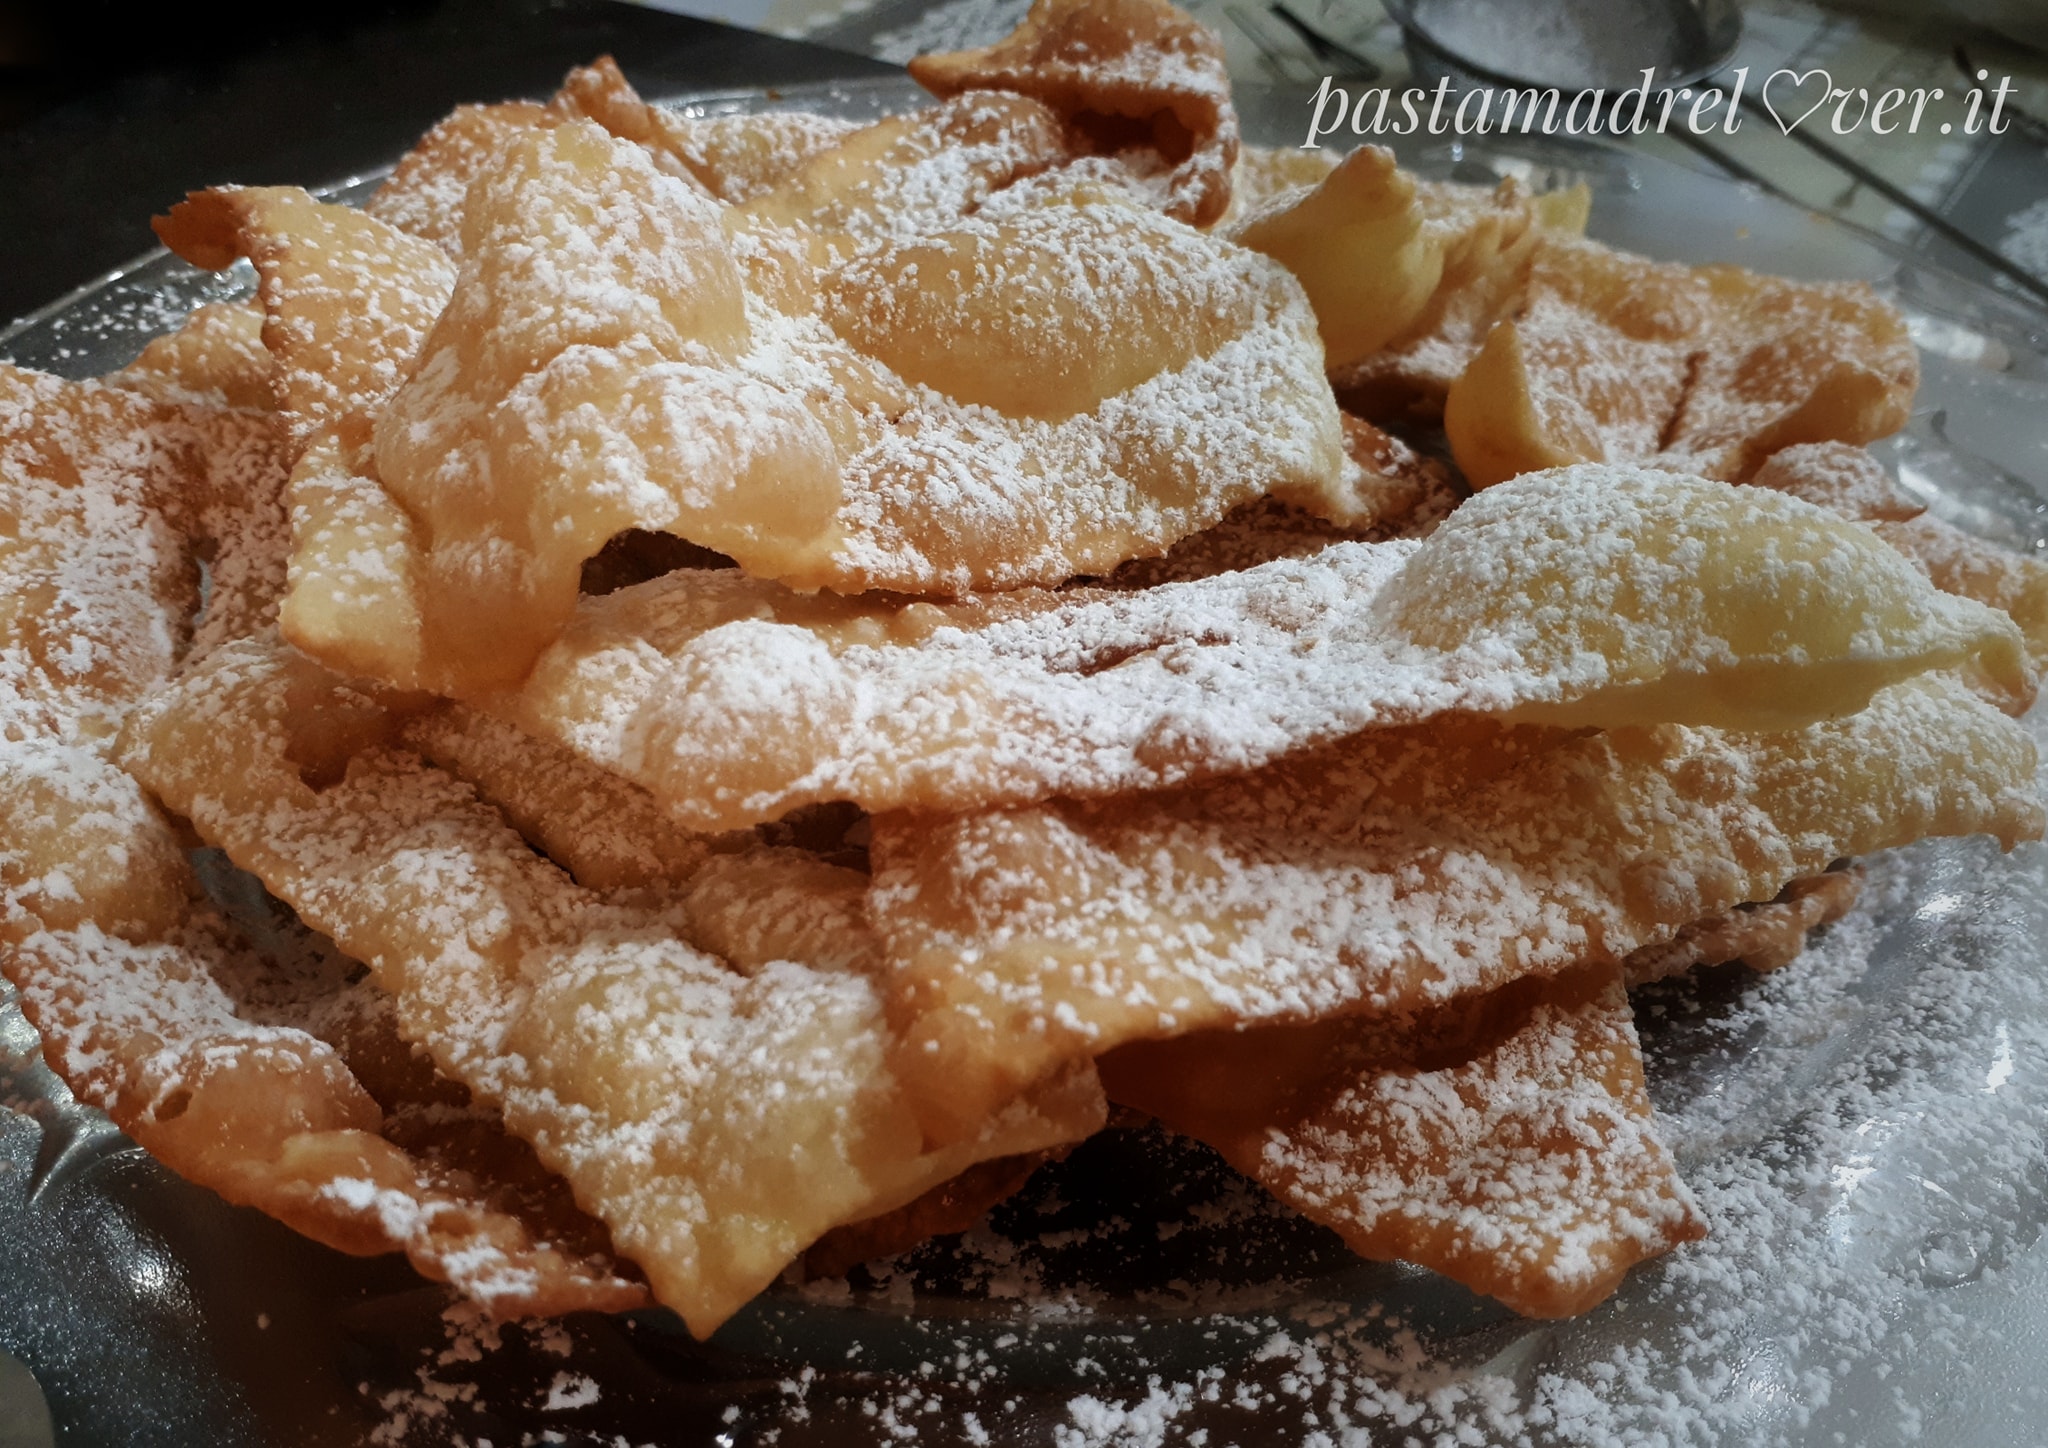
(109, 115)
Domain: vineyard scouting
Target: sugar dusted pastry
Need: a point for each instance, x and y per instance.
(1613, 358)
(791, 665)
(268, 1076)
(1358, 242)
(346, 298)
(1853, 483)
(1508, 1143)
(1488, 239)
(733, 700)
(799, 433)
(1125, 74)
(1764, 935)
(216, 357)
(1402, 868)
(718, 1116)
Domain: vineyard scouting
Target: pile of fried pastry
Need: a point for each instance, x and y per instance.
(786, 669)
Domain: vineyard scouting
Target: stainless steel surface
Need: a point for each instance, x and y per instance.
(1571, 44)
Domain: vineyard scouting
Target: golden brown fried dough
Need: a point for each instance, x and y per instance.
(600, 92)
(1840, 476)
(277, 1084)
(717, 1120)
(1401, 868)
(1790, 362)
(236, 1067)
(1708, 370)
(353, 597)
(1768, 935)
(1123, 73)
(1591, 597)
(425, 194)
(734, 158)
(1593, 366)
(1358, 243)
(1506, 1143)
(1265, 174)
(806, 447)
(1488, 239)
(913, 174)
(758, 471)
(1963, 564)
(217, 356)
(740, 157)
(1853, 483)
(1708, 604)
(346, 298)
(1395, 493)
(111, 501)
(608, 833)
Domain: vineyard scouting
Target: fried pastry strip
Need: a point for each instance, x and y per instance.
(1788, 362)
(273, 1082)
(265, 1076)
(924, 172)
(637, 371)
(347, 299)
(1122, 73)
(353, 599)
(744, 899)
(1972, 567)
(217, 356)
(1710, 370)
(1400, 868)
(1265, 174)
(717, 1121)
(1856, 485)
(608, 833)
(95, 583)
(1487, 239)
(1592, 366)
(740, 157)
(1358, 243)
(426, 190)
(1398, 494)
(1840, 476)
(734, 158)
(1594, 596)
(1765, 936)
(1506, 1143)
(112, 498)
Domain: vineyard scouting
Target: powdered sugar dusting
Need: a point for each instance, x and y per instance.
(1348, 1377)
(149, 998)
(1862, 1131)
(1590, 589)
(640, 1067)
(810, 390)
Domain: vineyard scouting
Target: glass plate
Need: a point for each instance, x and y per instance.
(1864, 1131)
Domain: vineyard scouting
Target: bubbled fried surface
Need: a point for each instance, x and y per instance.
(1202, 716)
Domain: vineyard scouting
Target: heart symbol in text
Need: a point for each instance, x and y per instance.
(1797, 81)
